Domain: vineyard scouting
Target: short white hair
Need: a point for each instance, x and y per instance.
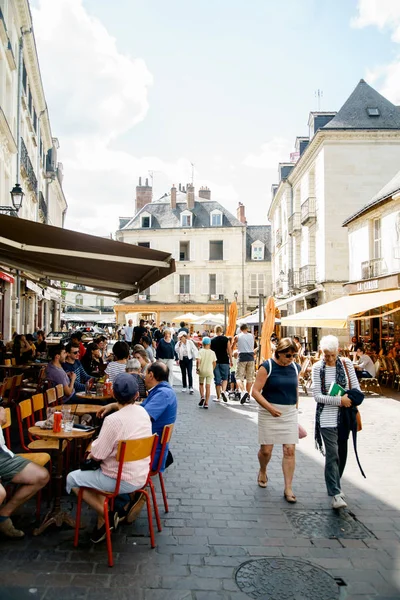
(133, 365)
(329, 343)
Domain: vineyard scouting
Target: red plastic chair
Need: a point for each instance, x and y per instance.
(128, 450)
(165, 439)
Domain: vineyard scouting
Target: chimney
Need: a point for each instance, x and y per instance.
(144, 195)
(180, 187)
(173, 197)
(241, 213)
(205, 193)
(190, 196)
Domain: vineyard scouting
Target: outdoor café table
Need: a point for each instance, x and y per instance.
(80, 409)
(57, 516)
(103, 399)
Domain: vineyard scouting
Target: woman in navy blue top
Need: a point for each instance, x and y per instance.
(276, 391)
(166, 353)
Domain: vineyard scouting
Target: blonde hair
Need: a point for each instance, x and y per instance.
(218, 329)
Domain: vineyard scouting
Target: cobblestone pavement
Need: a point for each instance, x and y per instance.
(219, 519)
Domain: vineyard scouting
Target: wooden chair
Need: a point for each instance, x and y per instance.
(38, 405)
(25, 416)
(165, 439)
(304, 375)
(51, 396)
(128, 450)
(39, 458)
(60, 393)
(367, 383)
(16, 383)
(37, 387)
(387, 370)
(13, 362)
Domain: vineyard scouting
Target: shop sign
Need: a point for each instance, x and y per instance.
(389, 282)
(7, 277)
(367, 286)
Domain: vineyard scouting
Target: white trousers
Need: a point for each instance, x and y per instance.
(170, 364)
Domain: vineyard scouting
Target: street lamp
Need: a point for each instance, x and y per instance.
(17, 196)
(236, 294)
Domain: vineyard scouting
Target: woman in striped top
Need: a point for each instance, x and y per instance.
(332, 369)
(118, 365)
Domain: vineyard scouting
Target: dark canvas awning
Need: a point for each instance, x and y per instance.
(53, 253)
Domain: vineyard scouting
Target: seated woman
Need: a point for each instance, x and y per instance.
(118, 365)
(133, 367)
(130, 422)
(144, 360)
(22, 350)
(92, 362)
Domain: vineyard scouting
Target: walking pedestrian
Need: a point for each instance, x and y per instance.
(332, 369)
(166, 352)
(276, 391)
(186, 352)
(245, 369)
(205, 362)
(221, 345)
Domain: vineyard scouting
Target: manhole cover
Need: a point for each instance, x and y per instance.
(327, 524)
(285, 579)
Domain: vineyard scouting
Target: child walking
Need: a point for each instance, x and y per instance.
(205, 365)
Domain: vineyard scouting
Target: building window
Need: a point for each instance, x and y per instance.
(186, 220)
(144, 244)
(257, 251)
(184, 284)
(256, 284)
(100, 301)
(216, 250)
(213, 284)
(79, 300)
(216, 219)
(145, 222)
(377, 238)
(184, 251)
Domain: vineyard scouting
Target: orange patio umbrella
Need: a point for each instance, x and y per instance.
(267, 329)
(232, 316)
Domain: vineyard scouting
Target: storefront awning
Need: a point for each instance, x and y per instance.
(52, 253)
(335, 314)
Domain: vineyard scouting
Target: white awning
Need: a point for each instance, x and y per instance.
(335, 314)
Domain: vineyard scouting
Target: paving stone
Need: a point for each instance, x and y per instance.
(70, 593)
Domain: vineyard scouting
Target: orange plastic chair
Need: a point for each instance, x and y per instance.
(25, 415)
(165, 439)
(128, 450)
(39, 458)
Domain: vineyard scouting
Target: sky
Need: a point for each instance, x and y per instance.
(149, 88)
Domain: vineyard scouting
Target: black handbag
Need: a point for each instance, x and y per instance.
(90, 464)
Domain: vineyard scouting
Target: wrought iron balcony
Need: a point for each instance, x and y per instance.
(43, 212)
(373, 268)
(184, 298)
(307, 276)
(27, 168)
(215, 297)
(308, 215)
(293, 280)
(278, 238)
(294, 225)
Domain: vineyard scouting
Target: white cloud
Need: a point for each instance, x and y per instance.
(385, 15)
(273, 152)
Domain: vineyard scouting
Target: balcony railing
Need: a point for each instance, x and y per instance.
(184, 297)
(43, 212)
(279, 286)
(215, 297)
(308, 211)
(294, 225)
(293, 280)
(307, 276)
(373, 268)
(278, 238)
(27, 168)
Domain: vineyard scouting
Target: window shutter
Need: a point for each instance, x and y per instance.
(260, 283)
(176, 283)
(192, 285)
(205, 283)
(220, 283)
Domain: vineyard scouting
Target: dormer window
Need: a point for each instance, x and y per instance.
(257, 250)
(373, 112)
(186, 219)
(145, 221)
(216, 218)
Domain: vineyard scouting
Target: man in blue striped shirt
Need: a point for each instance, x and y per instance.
(73, 364)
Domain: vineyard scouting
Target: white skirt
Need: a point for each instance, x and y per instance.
(278, 430)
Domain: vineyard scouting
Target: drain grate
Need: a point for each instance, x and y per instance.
(327, 524)
(285, 578)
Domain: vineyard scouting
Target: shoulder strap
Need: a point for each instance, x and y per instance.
(347, 372)
(269, 368)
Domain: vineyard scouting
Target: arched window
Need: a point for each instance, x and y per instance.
(79, 300)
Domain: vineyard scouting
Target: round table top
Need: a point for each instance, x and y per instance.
(62, 435)
(94, 396)
(80, 409)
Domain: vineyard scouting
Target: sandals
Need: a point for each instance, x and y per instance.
(261, 483)
(291, 498)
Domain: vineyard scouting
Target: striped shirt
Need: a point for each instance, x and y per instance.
(115, 368)
(329, 415)
(129, 423)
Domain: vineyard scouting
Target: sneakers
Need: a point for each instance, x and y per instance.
(244, 397)
(338, 502)
(191, 391)
(7, 528)
(136, 506)
(202, 400)
(215, 399)
(224, 396)
(184, 390)
(98, 535)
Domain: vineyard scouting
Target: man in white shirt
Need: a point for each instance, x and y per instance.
(15, 469)
(364, 366)
(127, 332)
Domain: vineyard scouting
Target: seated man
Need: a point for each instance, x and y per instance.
(130, 422)
(56, 374)
(29, 477)
(161, 404)
(72, 364)
(364, 366)
(76, 339)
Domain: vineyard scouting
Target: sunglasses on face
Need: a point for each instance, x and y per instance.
(75, 352)
(291, 355)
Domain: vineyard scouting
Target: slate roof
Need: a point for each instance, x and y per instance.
(354, 113)
(164, 217)
(385, 193)
(262, 233)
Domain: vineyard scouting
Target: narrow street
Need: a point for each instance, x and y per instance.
(219, 519)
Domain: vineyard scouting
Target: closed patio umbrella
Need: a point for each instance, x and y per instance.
(232, 316)
(267, 329)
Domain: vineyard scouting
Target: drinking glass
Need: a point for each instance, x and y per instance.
(69, 424)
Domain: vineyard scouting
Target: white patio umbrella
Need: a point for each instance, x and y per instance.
(210, 319)
(187, 317)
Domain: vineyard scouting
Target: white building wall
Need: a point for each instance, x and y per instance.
(358, 249)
